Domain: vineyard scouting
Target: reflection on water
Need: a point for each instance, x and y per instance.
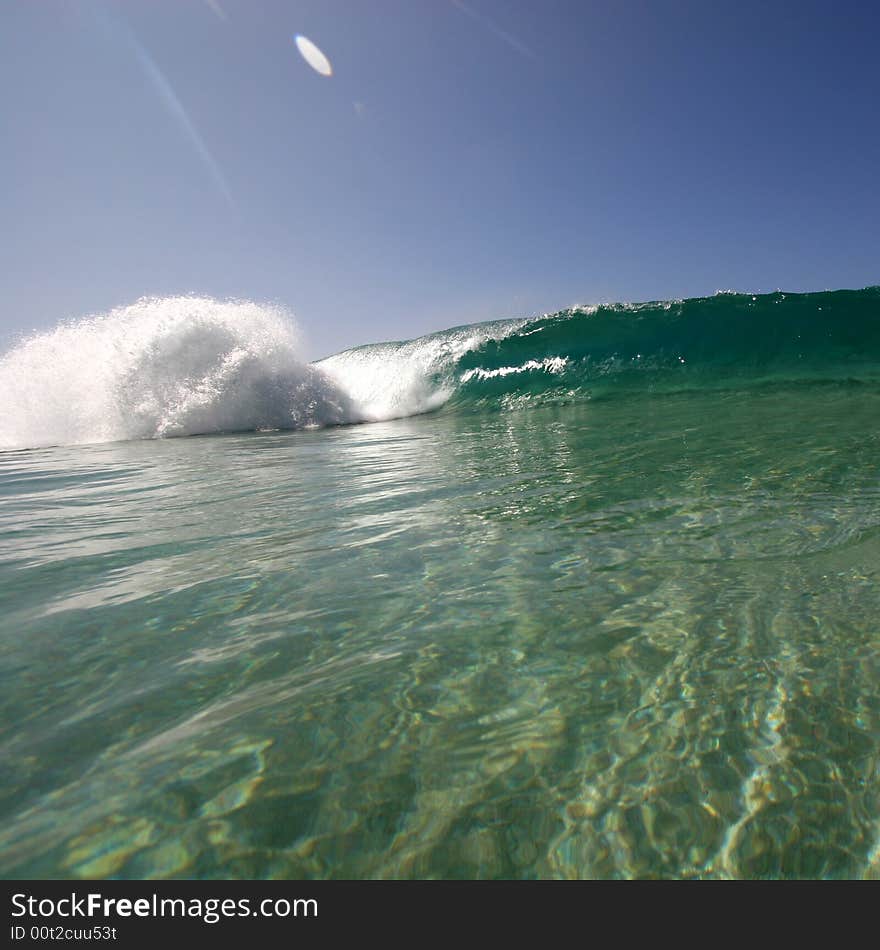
(625, 639)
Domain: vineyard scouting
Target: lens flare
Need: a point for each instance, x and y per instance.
(313, 56)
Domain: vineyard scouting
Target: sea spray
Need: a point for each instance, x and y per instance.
(177, 366)
(164, 367)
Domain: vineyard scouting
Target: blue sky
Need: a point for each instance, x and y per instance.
(465, 161)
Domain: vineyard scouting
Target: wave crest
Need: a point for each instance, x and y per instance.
(162, 367)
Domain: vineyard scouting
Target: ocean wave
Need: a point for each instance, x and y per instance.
(728, 340)
(178, 366)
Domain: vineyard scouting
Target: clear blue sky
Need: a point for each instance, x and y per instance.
(465, 161)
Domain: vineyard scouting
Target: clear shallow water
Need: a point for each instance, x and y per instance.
(626, 638)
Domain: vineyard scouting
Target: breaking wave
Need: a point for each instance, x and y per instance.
(178, 366)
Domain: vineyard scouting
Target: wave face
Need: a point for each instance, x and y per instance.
(727, 341)
(192, 365)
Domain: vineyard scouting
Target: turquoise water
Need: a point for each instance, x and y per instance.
(551, 629)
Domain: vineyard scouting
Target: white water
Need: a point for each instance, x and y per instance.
(391, 380)
(176, 366)
(163, 367)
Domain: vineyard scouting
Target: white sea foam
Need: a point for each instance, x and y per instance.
(175, 366)
(162, 367)
(552, 364)
(390, 380)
